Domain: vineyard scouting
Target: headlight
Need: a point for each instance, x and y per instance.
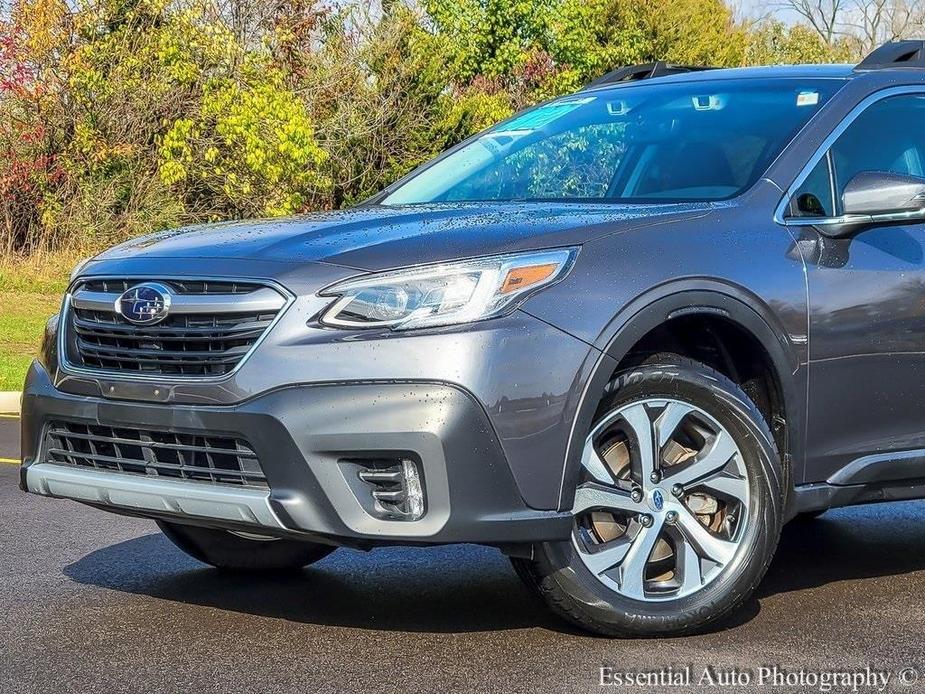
(446, 294)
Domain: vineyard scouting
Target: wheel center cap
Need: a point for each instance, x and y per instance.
(657, 500)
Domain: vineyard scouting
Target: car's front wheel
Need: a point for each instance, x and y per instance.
(678, 509)
(239, 551)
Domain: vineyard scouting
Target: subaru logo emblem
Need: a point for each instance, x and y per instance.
(144, 304)
(658, 500)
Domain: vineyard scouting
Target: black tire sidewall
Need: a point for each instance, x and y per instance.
(225, 550)
(597, 606)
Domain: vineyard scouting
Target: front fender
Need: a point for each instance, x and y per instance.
(671, 300)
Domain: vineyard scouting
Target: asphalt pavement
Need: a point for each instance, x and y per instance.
(94, 602)
(9, 438)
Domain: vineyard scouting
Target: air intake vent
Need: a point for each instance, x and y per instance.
(206, 458)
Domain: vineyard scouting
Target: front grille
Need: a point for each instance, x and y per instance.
(200, 287)
(185, 345)
(209, 328)
(218, 459)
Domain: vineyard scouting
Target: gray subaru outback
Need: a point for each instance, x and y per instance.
(623, 337)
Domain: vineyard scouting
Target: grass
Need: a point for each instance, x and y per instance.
(22, 322)
(39, 273)
(30, 292)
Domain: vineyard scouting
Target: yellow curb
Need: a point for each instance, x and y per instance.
(9, 416)
(10, 461)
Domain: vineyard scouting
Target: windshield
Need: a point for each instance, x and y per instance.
(689, 141)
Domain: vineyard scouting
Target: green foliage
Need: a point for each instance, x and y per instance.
(376, 99)
(488, 37)
(694, 32)
(249, 150)
(131, 68)
(774, 43)
(496, 38)
(591, 37)
(470, 112)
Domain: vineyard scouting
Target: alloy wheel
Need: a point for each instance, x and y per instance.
(663, 502)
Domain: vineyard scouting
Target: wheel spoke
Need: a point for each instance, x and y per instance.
(667, 422)
(733, 487)
(704, 542)
(594, 464)
(713, 460)
(633, 567)
(608, 556)
(688, 563)
(590, 496)
(637, 418)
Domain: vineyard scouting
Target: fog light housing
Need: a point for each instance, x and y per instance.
(394, 488)
(414, 501)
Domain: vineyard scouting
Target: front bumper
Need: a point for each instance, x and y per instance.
(302, 436)
(189, 500)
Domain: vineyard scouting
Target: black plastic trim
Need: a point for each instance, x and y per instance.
(823, 496)
(882, 468)
(644, 71)
(895, 54)
(651, 310)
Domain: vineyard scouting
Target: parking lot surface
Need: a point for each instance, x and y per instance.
(94, 602)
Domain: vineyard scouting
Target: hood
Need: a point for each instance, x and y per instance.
(378, 238)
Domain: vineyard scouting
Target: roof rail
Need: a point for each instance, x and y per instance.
(909, 53)
(645, 71)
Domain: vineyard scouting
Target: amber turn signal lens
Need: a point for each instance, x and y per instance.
(521, 277)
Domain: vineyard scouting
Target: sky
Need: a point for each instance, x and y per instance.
(758, 8)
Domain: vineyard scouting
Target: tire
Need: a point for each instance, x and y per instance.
(694, 593)
(232, 552)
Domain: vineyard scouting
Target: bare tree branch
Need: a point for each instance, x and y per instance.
(869, 22)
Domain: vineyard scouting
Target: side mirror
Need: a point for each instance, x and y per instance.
(880, 192)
